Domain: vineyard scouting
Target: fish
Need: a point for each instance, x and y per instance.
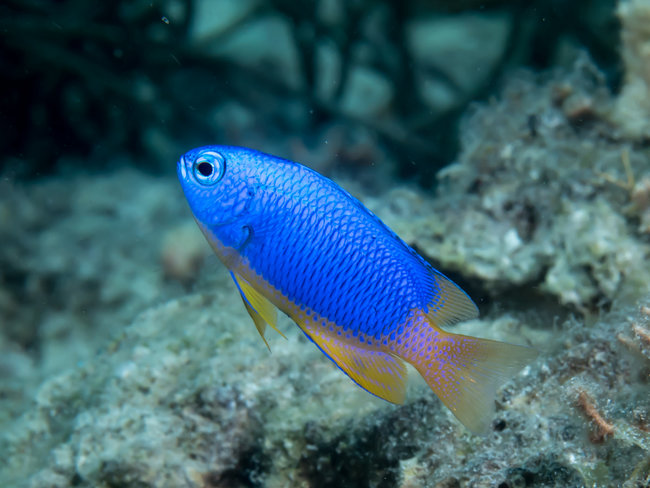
(296, 241)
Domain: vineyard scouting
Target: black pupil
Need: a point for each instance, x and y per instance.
(205, 168)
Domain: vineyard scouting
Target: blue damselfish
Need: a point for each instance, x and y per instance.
(295, 240)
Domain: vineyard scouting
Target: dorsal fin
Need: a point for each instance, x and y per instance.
(449, 304)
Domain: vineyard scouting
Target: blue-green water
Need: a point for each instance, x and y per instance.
(507, 142)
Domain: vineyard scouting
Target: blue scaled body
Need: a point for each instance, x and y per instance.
(295, 240)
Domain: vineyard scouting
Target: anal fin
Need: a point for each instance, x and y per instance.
(376, 371)
(259, 308)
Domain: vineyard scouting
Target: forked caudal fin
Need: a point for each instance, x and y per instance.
(465, 372)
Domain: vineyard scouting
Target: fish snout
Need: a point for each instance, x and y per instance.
(181, 168)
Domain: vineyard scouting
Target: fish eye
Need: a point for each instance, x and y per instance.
(205, 168)
(209, 168)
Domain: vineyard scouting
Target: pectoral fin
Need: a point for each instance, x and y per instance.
(259, 308)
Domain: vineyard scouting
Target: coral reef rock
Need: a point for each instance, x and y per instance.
(539, 198)
(632, 111)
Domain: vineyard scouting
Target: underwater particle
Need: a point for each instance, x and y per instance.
(294, 240)
(165, 20)
(603, 428)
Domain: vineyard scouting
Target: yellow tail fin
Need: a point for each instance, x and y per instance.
(465, 372)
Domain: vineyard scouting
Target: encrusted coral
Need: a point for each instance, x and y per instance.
(188, 396)
(527, 205)
(632, 110)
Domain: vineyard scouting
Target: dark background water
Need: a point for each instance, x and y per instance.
(85, 84)
(126, 356)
